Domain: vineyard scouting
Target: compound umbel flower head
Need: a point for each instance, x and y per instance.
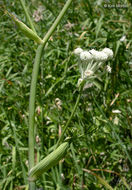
(91, 61)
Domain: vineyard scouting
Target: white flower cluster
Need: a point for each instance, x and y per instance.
(90, 61)
(103, 55)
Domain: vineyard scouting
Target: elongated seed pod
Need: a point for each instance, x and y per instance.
(49, 161)
(26, 30)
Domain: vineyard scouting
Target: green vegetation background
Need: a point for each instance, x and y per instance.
(101, 139)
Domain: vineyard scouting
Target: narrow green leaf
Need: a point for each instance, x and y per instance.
(101, 180)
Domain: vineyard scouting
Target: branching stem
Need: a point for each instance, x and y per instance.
(33, 88)
(27, 15)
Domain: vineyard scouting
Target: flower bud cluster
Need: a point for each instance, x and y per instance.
(90, 61)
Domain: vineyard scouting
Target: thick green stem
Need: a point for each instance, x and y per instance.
(33, 89)
(31, 111)
(32, 105)
(27, 15)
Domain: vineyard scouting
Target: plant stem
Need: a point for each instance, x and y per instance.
(69, 120)
(28, 16)
(32, 110)
(33, 88)
(57, 21)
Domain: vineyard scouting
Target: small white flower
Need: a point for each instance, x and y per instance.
(108, 68)
(108, 52)
(93, 52)
(99, 55)
(116, 111)
(88, 73)
(123, 38)
(86, 56)
(78, 51)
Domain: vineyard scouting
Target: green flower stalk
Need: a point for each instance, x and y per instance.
(71, 116)
(89, 62)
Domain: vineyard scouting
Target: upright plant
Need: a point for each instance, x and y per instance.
(89, 63)
(56, 155)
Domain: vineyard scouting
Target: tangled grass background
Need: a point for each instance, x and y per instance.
(101, 129)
